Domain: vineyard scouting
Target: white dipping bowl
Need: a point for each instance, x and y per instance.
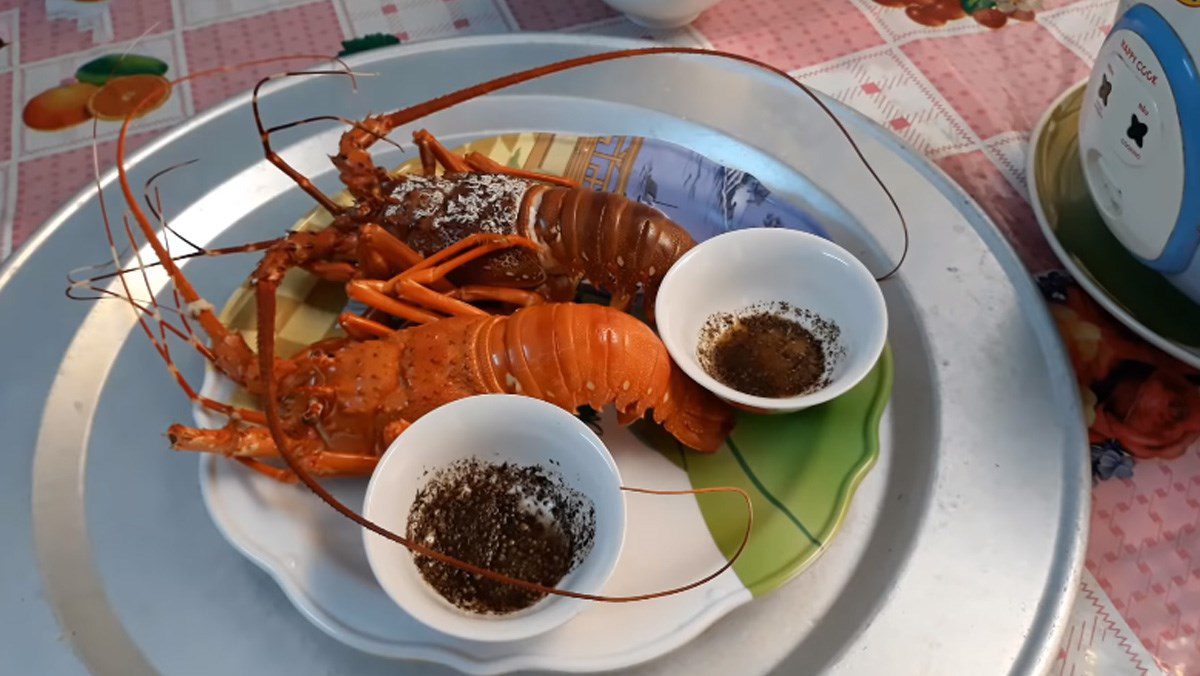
(734, 271)
(493, 428)
(661, 14)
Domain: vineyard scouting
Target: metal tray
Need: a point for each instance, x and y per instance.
(961, 551)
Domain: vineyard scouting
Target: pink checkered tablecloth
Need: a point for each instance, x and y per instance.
(962, 81)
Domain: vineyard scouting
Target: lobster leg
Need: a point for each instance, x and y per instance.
(442, 263)
(231, 441)
(428, 161)
(366, 293)
(486, 165)
(454, 303)
(412, 298)
(434, 153)
(332, 271)
(251, 443)
(426, 297)
(384, 255)
(397, 255)
(411, 284)
(283, 476)
(362, 328)
(502, 294)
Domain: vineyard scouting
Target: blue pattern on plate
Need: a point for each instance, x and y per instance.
(709, 199)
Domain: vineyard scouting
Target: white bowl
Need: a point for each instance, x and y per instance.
(661, 14)
(734, 271)
(493, 428)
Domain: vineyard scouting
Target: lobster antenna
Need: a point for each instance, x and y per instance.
(335, 118)
(420, 110)
(266, 292)
(205, 316)
(141, 311)
(197, 306)
(275, 158)
(157, 210)
(82, 282)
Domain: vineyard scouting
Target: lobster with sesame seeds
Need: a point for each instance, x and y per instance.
(332, 408)
(342, 401)
(618, 245)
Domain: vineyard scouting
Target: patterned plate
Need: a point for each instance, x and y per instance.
(801, 469)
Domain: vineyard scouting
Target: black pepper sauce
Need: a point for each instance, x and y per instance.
(764, 353)
(519, 521)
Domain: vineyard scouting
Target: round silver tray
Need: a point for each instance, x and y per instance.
(960, 553)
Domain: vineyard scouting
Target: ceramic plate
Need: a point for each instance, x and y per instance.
(800, 469)
(1139, 297)
(979, 491)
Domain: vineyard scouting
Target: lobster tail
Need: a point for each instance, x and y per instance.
(615, 243)
(573, 355)
(693, 415)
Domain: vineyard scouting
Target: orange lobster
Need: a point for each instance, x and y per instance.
(619, 245)
(331, 409)
(343, 400)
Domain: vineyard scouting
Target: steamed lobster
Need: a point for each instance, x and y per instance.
(619, 245)
(330, 409)
(342, 401)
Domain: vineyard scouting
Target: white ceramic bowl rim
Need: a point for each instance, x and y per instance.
(684, 271)
(440, 438)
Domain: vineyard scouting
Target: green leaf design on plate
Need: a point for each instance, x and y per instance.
(101, 70)
(800, 469)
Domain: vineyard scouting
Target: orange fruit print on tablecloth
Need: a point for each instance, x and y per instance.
(119, 96)
(106, 88)
(59, 107)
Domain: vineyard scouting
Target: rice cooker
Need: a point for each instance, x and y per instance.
(1139, 136)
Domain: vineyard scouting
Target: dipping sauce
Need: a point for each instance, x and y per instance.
(522, 521)
(766, 351)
